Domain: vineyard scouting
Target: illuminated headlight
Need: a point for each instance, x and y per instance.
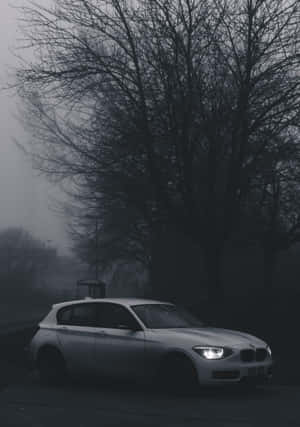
(269, 351)
(213, 353)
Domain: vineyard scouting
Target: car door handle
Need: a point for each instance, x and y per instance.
(102, 334)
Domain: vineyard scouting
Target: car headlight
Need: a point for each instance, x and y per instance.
(269, 351)
(213, 353)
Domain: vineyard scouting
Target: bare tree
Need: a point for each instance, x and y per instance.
(273, 206)
(165, 106)
(23, 259)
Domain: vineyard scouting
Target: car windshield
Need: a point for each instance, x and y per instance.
(161, 316)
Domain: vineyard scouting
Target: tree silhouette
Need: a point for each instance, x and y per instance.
(162, 108)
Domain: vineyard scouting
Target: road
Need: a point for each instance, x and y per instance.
(27, 403)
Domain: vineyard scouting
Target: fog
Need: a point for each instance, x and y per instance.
(27, 200)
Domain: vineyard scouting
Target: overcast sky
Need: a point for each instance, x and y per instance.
(25, 198)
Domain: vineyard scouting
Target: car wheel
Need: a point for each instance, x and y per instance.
(51, 366)
(178, 374)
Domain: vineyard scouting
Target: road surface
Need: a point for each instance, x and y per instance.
(27, 403)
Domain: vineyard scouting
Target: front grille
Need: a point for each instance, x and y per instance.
(258, 355)
(247, 355)
(261, 354)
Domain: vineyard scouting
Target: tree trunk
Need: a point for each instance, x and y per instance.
(213, 260)
(270, 258)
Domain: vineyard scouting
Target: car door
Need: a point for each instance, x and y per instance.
(76, 334)
(120, 343)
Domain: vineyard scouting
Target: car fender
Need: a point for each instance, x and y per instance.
(177, 351)
(44, 337)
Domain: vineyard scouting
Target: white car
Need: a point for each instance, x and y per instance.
(144, 339)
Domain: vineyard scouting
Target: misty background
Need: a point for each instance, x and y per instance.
(29, 202)
(27, 199)
(36, 262)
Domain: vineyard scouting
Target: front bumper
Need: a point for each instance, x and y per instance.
(230, 370)
(255, 374)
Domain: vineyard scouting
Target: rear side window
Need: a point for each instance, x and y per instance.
(78, 315)
(84, 315)
(64, 316)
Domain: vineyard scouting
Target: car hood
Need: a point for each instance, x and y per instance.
(209, 336)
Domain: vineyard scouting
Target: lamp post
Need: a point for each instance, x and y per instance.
(96, 249)
(95, 218)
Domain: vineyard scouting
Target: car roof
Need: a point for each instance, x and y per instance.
(123, 301)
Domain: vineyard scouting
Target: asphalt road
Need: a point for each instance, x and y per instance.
(27, 403)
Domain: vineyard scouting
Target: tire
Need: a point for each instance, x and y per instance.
(51, 367)
(177, 374)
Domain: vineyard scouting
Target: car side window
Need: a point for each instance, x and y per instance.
(78, 315)
(84, 315)
(64, 316)
(115, 316)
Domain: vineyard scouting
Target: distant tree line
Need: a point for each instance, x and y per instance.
(166, 115)
(24, 261)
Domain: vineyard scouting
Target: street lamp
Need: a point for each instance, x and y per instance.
(96, 249)
(95, 218)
